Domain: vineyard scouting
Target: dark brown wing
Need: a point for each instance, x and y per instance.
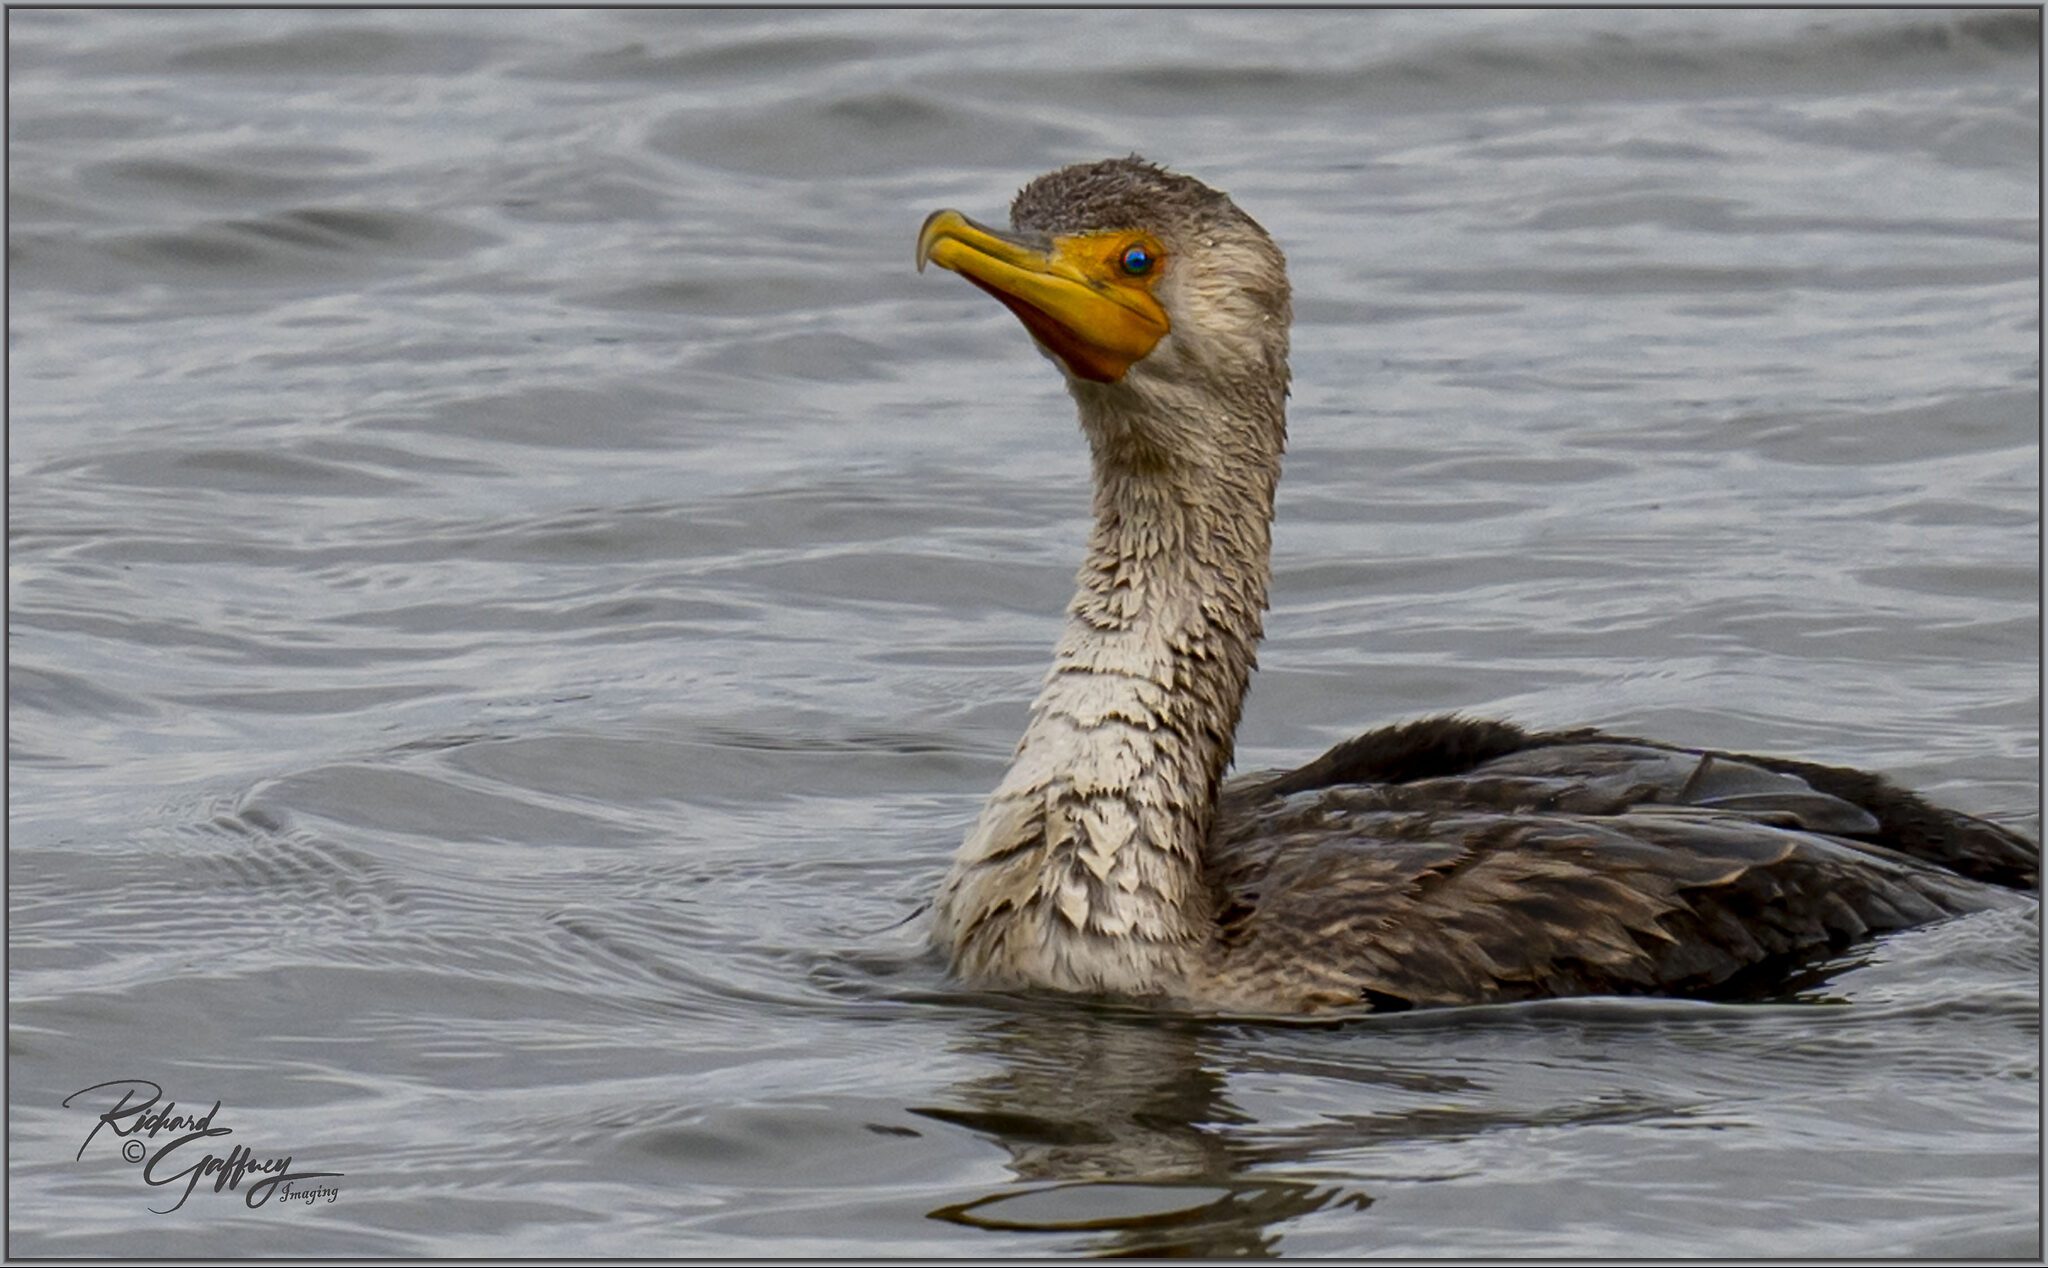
(1436, 748)
(1457, 862)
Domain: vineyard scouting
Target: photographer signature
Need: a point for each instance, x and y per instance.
(183, 1155)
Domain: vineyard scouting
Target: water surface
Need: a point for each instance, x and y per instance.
(517, 588)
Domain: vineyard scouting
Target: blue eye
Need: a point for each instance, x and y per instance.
(1137, 260)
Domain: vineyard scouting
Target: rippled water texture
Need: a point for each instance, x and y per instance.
(517, 588)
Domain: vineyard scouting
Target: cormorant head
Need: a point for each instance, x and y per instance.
(1148, 288)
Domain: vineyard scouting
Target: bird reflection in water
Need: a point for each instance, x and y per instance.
(1117, 1124)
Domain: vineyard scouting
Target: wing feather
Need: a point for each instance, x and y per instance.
(1456, 862)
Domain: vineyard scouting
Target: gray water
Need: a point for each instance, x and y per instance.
(518, 587)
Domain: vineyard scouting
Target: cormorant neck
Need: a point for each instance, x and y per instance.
(1084, 871)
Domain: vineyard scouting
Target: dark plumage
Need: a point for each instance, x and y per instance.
(1498, 864)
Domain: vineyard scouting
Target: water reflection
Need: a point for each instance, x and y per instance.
(1120, 1124)
(510, 562)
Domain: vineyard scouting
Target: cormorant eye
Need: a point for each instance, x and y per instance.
(1137, 261)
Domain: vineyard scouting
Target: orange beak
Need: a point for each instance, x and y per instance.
(1097, 323)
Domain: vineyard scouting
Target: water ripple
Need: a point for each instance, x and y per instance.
(516, 587)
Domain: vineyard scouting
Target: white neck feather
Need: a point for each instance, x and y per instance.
(1084, 871)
